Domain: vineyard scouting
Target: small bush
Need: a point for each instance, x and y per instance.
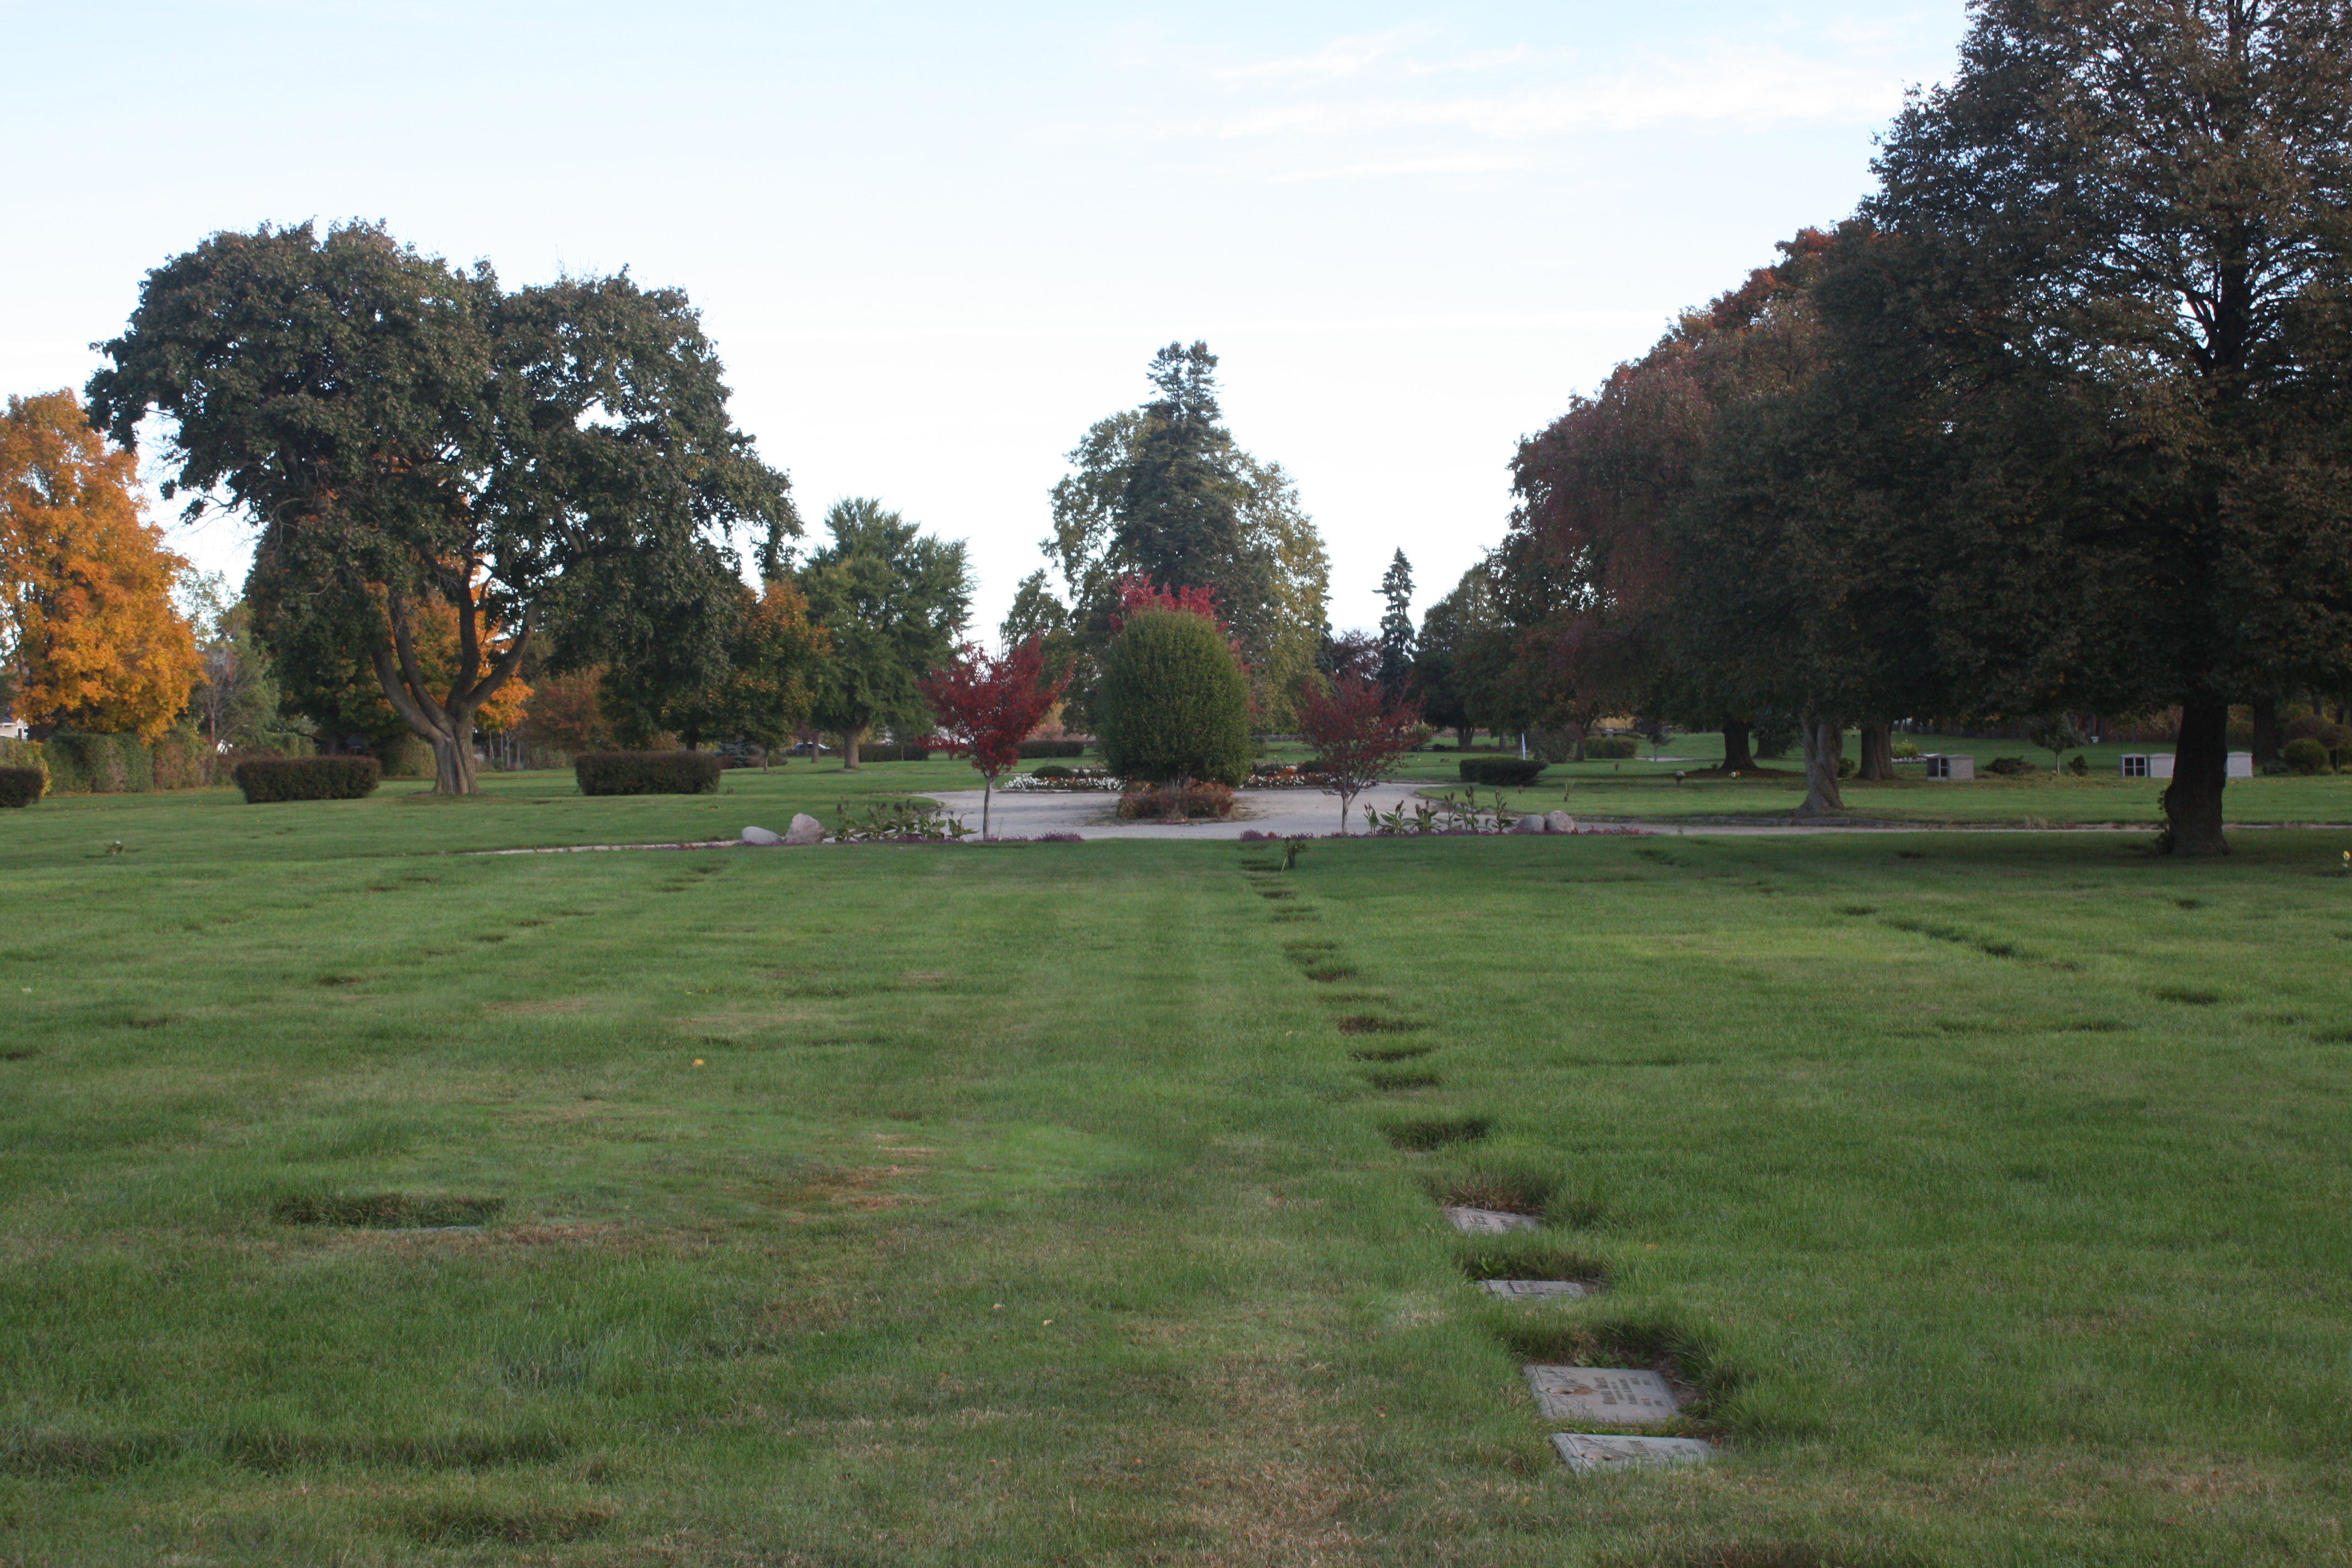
(308, 778)
(20, 787)
(1198, 799)
(182, 760)
(1174, 702)
(1904, 751)
(26, 754)
(2008, 767)
(1502, 772)
(1610, 748)
(1054, 770)
(1030, 749)
(1846, 767)
(646, 773)
(2079, 765)
(2306, 756)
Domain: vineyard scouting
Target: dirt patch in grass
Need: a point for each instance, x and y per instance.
(528, 1009)
(39, 1452)
(2188, 996)
(1325, 974)
(342, 979)
(1517, 1257)
(1771, 1555)
(18, 1054)
(1375, 1024)
(386, 1211)
(1390, 1053)
(457, 1521)
(1422, 1133)
(1403, 1078)
(1485, 1183)
(1277, 894)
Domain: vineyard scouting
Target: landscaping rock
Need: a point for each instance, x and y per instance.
(1559, 822)
(1531, 823)
(762, 835)
(1609, 1396)
(1534, 1288)
(805, 829)
(1488, 1222)
(1598, 1451)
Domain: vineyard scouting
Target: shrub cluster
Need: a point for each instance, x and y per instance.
(98, 764)
(20, 787)
(25, 754)
(1174, 702)
(1198, 798)
(308, 778)
(1611, 748)
(2306, 756)
(646, 773)
(1032, 749)
(2009, 767)
(1502, 773)
(1052, 770)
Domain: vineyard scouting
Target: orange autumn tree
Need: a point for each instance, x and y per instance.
(89, 636)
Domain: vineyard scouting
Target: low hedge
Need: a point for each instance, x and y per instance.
(266, 782)
(98, 764)
(1611, 748)
(892, 752)
(25, 754)
(20, 787)
(648, 772)
(1033, 749)
(1502, 773)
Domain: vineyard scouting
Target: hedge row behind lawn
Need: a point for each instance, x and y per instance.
(648, 772)
(266, 781)
(20, 787)
(1502, 773)
(1031, 749)
(1605, 748)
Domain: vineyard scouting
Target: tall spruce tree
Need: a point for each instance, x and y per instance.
(1396, 628)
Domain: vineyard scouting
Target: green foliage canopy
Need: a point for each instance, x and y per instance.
(1174, 704)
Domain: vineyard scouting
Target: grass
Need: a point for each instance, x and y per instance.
(957, 1206)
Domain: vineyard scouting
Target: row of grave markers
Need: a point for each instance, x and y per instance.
(1592, 1395)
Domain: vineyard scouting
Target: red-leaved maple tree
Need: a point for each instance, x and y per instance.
(1357, 733)
(985, 707)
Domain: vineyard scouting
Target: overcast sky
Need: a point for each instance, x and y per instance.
(935, 242)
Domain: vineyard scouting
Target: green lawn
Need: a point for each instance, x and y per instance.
(946, 1206)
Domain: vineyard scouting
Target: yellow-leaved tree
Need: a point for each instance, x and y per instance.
(88, 635)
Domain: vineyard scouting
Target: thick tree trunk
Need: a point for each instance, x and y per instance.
(1824, 743)
(2267, 744)
(1877, 753)
(2201, 767)
(1737, 757)
(849, 750)
(454, 771)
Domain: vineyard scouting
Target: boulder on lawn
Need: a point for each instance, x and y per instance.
(805, 829)
(1531, 823)
(1559, 822)
(763, 836)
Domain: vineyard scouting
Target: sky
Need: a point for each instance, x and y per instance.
(934, 243)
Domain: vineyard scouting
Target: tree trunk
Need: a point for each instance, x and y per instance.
(454, 771)
(2200, 768)
(2267, 744)
(1877, 753)
(987, 796)
(1737, 757)
(1824, 743)
(849, 750)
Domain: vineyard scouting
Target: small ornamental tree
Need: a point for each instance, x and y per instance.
(987, 706)
(1174, 702)
(1358, 731)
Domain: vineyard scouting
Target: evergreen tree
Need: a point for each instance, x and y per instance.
(1396, 628)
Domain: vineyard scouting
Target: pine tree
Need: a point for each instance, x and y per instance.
(1396, 628)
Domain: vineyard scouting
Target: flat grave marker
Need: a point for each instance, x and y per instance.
(1527, 1290)
(1601, 1451)
(1612, 1395)
(1488, 1222)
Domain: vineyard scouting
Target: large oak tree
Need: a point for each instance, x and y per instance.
(553, 462)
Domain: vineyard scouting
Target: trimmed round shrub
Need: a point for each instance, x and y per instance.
(1502, 772)
(1054, 770)
(1194, 800)
(2306, 756)
(1174, 703)
(20, 787)
(1611, 748)
(648, 772)
(2010, 767)
(308, 778)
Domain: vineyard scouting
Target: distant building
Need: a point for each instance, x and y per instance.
(1952, 768)
(2159, 765)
